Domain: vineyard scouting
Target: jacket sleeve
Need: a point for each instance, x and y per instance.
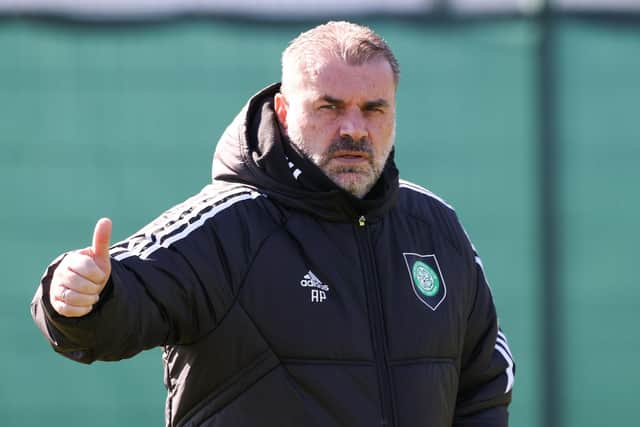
(487, 367)
(170, 284)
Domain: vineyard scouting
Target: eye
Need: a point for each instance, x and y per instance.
(328, 107)
(374, 109)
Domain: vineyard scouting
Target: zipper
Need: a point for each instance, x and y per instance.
(376, 322)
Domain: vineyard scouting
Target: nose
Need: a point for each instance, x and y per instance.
(353, 125)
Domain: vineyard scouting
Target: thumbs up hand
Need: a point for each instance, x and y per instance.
(81, 276)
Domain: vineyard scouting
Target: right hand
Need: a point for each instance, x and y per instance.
(82, 274)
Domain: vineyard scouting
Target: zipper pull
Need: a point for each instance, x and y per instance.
(362, 221)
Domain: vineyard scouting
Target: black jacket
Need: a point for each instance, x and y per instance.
(282, 300)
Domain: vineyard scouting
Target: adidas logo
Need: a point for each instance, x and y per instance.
(310, 280)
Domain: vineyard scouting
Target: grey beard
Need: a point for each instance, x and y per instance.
(368, 178)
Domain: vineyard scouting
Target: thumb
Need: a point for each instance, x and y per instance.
(100, 246)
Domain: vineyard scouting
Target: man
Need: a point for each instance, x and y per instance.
(306, 285)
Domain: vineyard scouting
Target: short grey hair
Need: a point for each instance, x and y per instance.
(354, 44)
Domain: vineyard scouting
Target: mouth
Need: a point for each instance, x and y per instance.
(351, 156)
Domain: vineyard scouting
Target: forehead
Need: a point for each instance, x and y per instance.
(358, 83)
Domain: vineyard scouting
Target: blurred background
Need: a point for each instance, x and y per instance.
(524, 115)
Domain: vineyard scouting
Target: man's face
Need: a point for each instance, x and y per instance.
(343, 118)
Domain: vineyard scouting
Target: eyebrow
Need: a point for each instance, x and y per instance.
(332, 100)
(377, 103)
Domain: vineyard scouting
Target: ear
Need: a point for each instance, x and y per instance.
(281, 107)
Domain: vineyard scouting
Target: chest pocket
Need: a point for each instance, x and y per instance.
(424, 286)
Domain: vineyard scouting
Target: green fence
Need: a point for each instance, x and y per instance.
(122, 120)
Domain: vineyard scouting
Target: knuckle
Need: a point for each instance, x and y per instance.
(60, 307)
(61, 279)
(69, 310)
(83, 287)
(91, 288)
(59, 273)
(96, 288)
(54, 292)
(72, 259)
(80, 263)
(82, 300)
(77, 261)
(77, 299)
(65, 262)
(99, 277)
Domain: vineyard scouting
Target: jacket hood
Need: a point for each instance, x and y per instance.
(254, 151)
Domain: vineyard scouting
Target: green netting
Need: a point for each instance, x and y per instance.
(599, 88)
(121, 121)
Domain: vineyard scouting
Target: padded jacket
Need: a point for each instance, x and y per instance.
(281, 300)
